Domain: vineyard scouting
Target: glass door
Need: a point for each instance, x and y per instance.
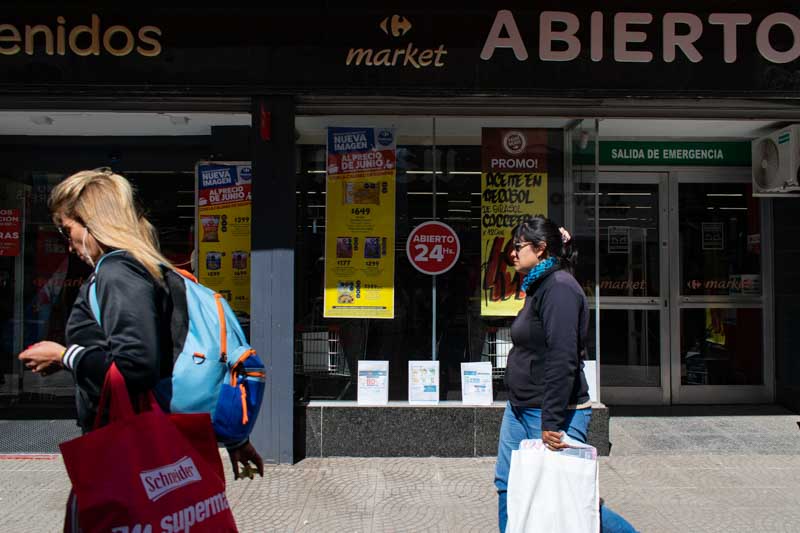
(717, 284)
(633, 283)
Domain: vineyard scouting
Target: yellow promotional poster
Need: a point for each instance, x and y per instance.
(513, 186)
(223, 251)
(359, 223)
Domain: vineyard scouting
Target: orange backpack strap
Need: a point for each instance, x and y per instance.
(223, 331)
(186, 274)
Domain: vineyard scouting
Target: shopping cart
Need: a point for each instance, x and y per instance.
(319, 352)
(321, 364)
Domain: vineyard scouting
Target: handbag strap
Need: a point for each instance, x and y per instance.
(115, 392)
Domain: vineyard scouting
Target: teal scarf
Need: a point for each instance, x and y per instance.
(537, 272)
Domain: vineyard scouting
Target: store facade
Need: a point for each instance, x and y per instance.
(637, 124)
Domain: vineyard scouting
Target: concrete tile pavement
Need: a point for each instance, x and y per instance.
(661, 479)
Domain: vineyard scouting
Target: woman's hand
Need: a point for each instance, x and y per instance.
(244, 455)
(552, 439)
(43, 357)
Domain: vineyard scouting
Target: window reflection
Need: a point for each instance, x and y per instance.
(631, 355)
(721, 346)
(629, 238)
(720, 240)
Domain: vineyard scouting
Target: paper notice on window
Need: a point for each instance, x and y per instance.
(373, 382)
(476, 383)
(423, 382)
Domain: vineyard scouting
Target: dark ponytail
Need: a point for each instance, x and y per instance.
(539, 229)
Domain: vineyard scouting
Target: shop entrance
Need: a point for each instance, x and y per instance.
(682, 314)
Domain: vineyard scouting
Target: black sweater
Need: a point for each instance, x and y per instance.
(135, 317)
(545, 366)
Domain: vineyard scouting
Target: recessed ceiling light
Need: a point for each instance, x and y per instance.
(42, 120)
(178, 120)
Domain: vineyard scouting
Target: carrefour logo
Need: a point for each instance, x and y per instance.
(396, 27)
(385, 137)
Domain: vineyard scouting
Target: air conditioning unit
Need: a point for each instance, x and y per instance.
(776, 163)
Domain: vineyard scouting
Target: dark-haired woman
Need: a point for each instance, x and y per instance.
(547, 391)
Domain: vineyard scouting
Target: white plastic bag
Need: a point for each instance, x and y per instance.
(553, 492)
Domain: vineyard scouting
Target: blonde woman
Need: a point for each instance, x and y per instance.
(94, 211)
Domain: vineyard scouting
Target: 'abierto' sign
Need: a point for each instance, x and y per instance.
(433, 247)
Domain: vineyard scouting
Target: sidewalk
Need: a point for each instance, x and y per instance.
(665, 474)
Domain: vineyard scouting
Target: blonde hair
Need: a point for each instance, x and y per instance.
(103, 202)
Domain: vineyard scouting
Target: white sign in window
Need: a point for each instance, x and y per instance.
(423, 382)
(713, 235)
(476, 383)
(619, 239)
(373, 382)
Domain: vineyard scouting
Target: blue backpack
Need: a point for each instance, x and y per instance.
(214, 370)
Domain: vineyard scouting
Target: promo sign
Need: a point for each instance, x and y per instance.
(513, 186)
(359, 223)
(10, 232)
(433, 247)
(223, 212)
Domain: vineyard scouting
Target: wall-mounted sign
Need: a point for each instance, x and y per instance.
(82, 36)
(403, 52)
(548, 48)
(359, 223)
(559, 39)
(619, 239)
(433, 247)
(513, 186)
(713, 235)
(666, 153)
(10, 232)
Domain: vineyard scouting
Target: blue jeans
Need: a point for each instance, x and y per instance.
(520, 423)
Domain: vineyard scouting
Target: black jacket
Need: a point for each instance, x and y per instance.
(135, 316)
(545, 366)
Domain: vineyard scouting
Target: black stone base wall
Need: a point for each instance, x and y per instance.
(402, 430)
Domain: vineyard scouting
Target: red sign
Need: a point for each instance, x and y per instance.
(10, 229)
(433, 248)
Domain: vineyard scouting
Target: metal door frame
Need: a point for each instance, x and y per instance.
(695, 394)
(644, 395)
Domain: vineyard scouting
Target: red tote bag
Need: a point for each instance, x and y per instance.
(147, 471)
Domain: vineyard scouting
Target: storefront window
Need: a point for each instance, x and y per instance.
(40, 280)
(720, 232)
(721, 346)
(464, 314)
(631, 341)
(629, 238)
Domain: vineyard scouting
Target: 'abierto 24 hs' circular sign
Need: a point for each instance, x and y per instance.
(433, 247)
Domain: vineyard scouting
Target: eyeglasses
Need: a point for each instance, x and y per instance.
(65, 233)
(520, 245)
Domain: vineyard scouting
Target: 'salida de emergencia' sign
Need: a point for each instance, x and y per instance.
(671, 153)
